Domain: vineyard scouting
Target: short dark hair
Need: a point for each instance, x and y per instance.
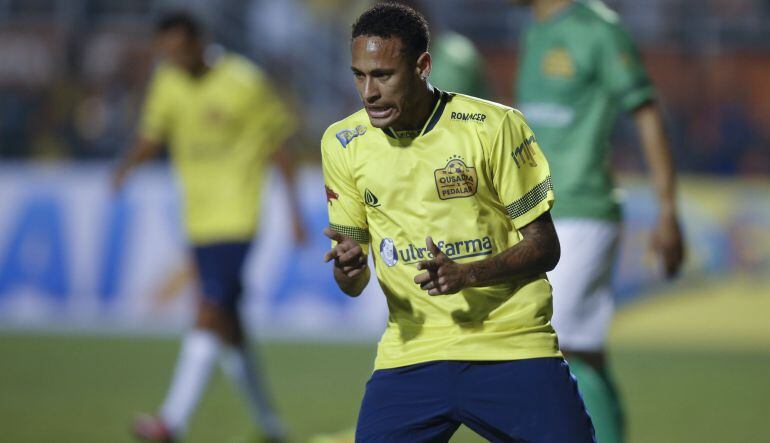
(390, 19)
(179, 20)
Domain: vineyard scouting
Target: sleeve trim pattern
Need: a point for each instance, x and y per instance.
(360, 235)
(531, 199)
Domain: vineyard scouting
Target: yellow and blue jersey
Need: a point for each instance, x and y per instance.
(221, 129)
(471, 179)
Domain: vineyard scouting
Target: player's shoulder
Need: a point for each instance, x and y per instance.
(241, 70)
(594, 15)
(462, 107)
(165, 73)
(166, 83)
(464, 104)
(343, 132)
(456, 44)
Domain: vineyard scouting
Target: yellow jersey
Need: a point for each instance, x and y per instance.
(471, 179)
(221, 129)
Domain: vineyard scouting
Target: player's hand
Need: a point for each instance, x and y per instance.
(348, 255)
(118, 179)
(443, 275)
(667, 241)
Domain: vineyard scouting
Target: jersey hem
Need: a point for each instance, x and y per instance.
(467, 357)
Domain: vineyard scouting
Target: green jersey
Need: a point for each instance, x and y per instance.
(457, 65)
(577, 71)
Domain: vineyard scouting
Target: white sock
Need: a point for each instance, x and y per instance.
(191, 376)
(238, 364)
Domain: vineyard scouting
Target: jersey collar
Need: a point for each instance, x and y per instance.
(430, 123)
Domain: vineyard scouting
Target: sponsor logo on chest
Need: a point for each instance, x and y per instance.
(390, 253)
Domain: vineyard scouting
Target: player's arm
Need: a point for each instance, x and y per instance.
(285, 164)
(348, 225)
(536, 253)
(351, 271)
(272, 114)
(622, 70)
(153, 126)
(667, 237)
(143, 149)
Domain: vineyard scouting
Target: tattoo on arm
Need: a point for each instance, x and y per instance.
(538, 252)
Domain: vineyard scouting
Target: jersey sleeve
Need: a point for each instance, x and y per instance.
(347, 211)
(520, 172)
(156, 116)
(272, 114)
(622, 69)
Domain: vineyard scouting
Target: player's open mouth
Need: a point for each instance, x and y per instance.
(380, 113)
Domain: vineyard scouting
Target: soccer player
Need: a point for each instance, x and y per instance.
(453, 194)
(222, 122)
(456, 66)
(578, 70)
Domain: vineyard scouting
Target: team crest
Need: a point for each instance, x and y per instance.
(456, 179)
(558, 63)
(347, 135)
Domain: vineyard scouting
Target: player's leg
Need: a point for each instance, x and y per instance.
(599, 394)
(199, 352)
(197, 357)
(533, 400)
(408, 404)
(583, 307)
(239, 361)
(241, 364)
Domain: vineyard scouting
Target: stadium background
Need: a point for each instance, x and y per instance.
(92, 290)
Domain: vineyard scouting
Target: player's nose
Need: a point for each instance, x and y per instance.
(371, 92)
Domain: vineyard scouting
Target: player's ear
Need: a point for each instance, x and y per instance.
(423, 65)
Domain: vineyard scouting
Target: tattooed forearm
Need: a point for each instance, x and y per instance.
(538, 252)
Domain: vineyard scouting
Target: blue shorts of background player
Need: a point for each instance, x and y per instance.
(532, 400)
(220, 268)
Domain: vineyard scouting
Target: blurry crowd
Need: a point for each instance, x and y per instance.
(72, 73)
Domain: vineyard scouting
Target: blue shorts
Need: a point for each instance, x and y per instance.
(220, 267)
(533, 400)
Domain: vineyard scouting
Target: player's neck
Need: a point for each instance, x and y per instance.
(545, 9)
(199, 69)
(422, 109)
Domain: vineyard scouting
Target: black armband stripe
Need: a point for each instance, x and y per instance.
(532, 198)
(360, 235)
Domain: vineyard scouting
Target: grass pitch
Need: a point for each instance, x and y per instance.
(678, 385)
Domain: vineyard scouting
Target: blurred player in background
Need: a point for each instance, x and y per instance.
(468, 339)
(223, 123)
(457, 64)
(578, 69)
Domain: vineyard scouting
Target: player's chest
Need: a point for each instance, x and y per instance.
(434, 170)
(212, 107)
(556, 68)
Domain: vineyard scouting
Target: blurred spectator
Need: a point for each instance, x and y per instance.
(72, 73)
